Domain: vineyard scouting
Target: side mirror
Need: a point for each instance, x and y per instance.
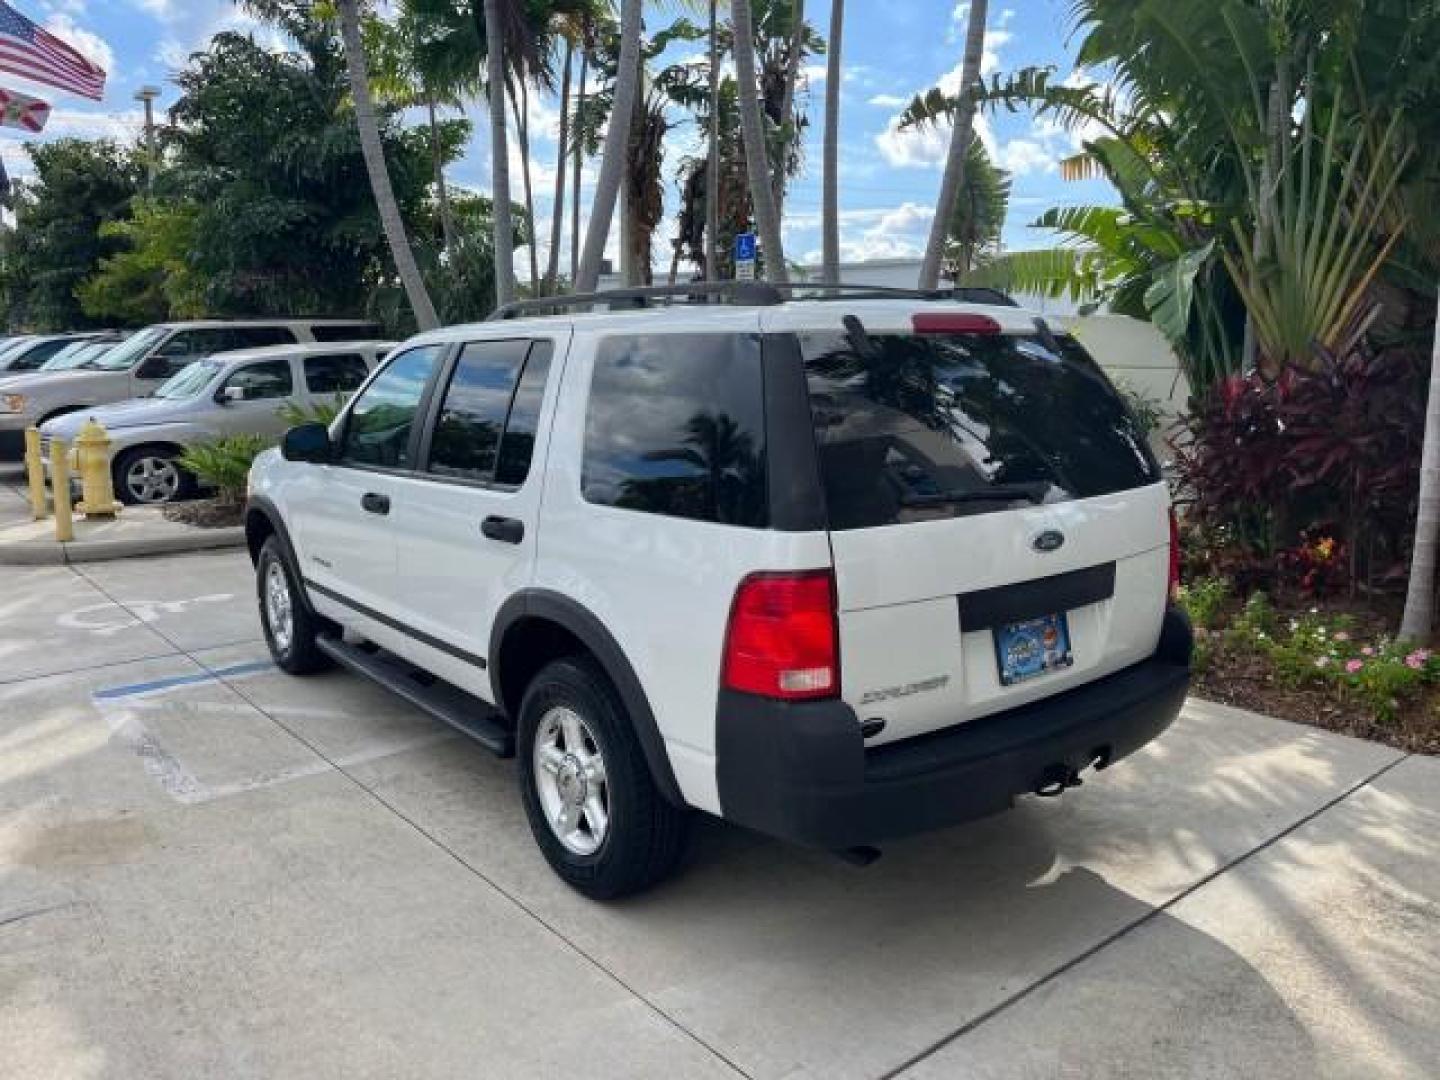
(228, 395)
(154, 366)
(308, 442)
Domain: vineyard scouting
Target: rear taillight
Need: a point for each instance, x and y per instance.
(1174, 556)
(782, 641)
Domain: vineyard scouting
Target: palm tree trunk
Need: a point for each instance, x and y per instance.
(503, 226)
(830, 194)
(520, 108)
(1419, 619)
(762, 194)
(712, 168)
(374, 154)
(557, 218)
(442, 192)
(787, 108)
(577, 166)
(959, 146)
(617, 139)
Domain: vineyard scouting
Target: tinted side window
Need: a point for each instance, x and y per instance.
(38, 355)
(676, 426)
(377, 431)
(254, 337)
(346, 332)
(517, 446)
(339, 373)
(263, 380)
(472, 415)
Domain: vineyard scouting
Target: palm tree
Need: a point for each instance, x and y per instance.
(959, 146)
(830, 195)
(712, 157)
(499, 154)
(789, 129)
(1419, 619)
(374, 154)
(562, 152)
(762, 192)
(617, 140)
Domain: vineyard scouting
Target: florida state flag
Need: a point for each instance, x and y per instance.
(22, 111)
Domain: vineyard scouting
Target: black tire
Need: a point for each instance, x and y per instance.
(185, 486)
(300, 655)
(646, 835)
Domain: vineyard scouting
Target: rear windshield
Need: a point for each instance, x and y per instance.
(914, 428)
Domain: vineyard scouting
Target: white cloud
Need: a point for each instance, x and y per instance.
(119, 125)
(897, 232)
(888, 101)
(161, 9)
(90, 45)
(172, 54)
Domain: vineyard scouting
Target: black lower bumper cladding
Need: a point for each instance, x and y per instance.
(802, 772)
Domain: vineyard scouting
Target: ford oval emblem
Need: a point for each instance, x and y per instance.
(1049, 540)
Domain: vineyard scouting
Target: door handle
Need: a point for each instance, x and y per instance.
(506, 530)
(375, 503)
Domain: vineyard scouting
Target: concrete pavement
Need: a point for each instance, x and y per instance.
(208, 868)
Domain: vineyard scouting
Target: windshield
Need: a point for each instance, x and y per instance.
(918, 427)
(73, 355)
(13, 346)
(132, 349)
(190, 381)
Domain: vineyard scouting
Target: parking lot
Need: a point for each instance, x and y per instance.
(209, 868)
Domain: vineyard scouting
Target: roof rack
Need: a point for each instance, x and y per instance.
(742, 293)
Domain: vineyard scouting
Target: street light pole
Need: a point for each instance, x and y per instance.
(148, 94)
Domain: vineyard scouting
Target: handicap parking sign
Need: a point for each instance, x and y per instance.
(745, 247)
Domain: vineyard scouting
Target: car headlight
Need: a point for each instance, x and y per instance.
(12, 403)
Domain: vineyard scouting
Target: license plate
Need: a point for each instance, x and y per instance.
(1033, 647)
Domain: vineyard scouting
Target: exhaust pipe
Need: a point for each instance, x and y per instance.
(1056, 779)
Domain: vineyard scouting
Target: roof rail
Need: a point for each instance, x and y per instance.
(744, 293)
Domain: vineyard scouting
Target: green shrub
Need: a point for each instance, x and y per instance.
(1149, 411)
(225, 464)
(321, 412)
(1203, 600)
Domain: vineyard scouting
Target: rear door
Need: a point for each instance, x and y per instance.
(466, 523)
(252, 395)
(998, 525)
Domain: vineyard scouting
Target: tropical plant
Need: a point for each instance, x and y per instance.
(153, 279)
(617, 138)
(315, 412)
(762, 191)
(830, 194)
(224, 464)
(978, 217)
(956, 158)
(371, 147)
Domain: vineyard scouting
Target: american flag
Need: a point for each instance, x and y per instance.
(22, 110)
(26, 49)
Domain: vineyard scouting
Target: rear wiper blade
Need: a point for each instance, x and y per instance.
(1034, 493)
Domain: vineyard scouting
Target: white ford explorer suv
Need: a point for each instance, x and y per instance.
(837, 570)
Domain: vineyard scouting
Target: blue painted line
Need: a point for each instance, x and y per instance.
(133, 689)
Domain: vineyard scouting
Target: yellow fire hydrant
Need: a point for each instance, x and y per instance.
(92, 456)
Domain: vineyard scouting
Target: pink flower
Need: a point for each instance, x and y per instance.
(1322, 661)
(1367, 651)
(1352, 666)
(1414, 662)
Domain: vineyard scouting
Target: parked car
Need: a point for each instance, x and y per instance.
(78, 354)
(143, 361)
(234, 393)
(32, 353)
(835, 570)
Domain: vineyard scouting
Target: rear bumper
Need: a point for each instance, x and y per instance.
(802, 772)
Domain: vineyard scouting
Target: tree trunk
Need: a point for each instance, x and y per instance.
(575, 183)
(374, 154)
(712, 168)
(442, 192)
(959, 146)
(1277, 120)
(752, 129)
(617, 139)
(830, 195)
(557, 219)
(504, 233)
(787, 108)
(1419, 619)
(520, 107)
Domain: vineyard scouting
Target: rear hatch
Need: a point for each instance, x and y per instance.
(998, 523)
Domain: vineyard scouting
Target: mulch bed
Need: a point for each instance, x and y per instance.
(206, 513)
(1242, 678)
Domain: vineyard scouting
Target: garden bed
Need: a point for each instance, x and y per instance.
(1330, 664)
(207, 513)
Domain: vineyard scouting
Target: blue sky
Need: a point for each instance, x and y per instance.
(893, 49)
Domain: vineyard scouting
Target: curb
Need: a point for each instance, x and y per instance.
(49, 553)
